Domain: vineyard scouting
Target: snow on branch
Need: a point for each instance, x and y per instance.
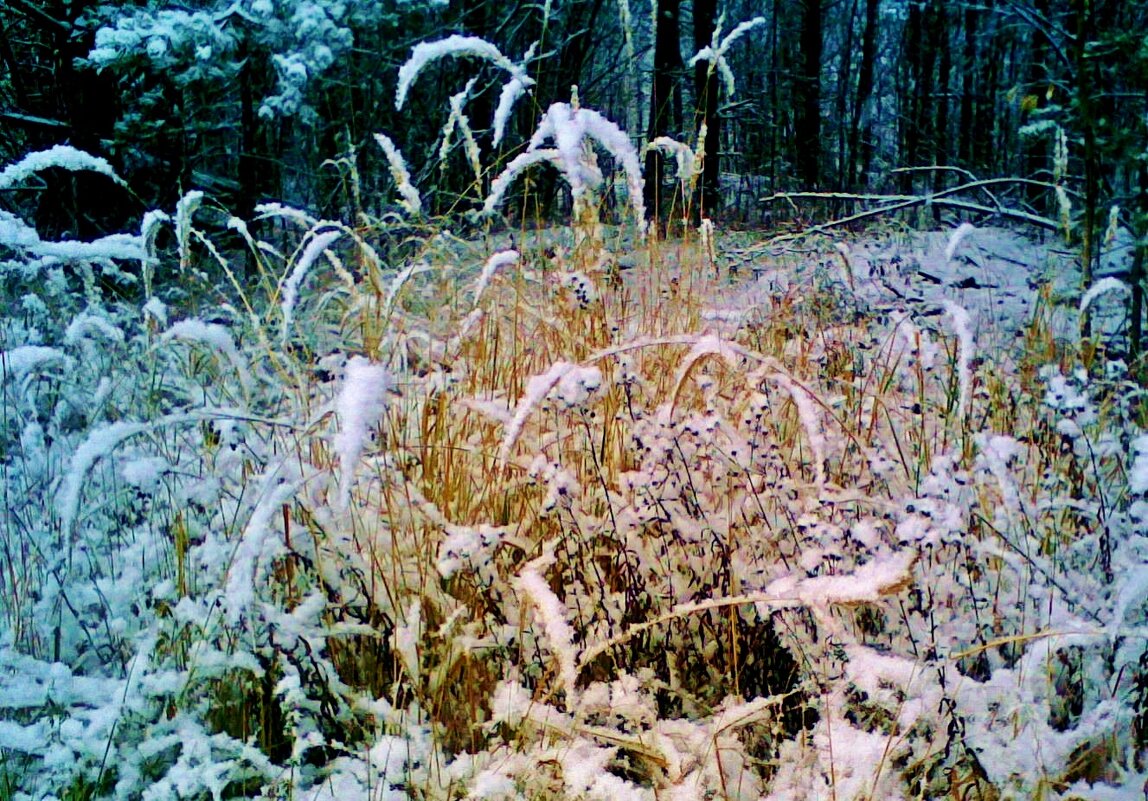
(411, 201)
(426, 52)
(502, 258)
(101, 442)
(682, 154)
(217, 338)
(60, 156)
(512, 91)
(551, 614)
(18, 235)
(715, 52)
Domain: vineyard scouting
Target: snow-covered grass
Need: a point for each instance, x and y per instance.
(482, 525)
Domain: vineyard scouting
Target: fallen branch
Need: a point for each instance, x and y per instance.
(894, 203)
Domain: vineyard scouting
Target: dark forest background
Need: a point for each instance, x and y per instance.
(253, 100)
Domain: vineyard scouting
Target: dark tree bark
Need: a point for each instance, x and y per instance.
(940, 40)
(667, 66)
(934, 108)
(969, 88)
(1034, 150)
(808, 128)
(985, 155)
(86, 102)
(1082, 14)
(774, 95)
(844, 154)
(911, 99)
(572, 35)
(861, 153)
(1136, 279)
(708, 197)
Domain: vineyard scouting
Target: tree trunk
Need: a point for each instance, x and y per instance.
(969, 89)
(861, 160)
(940, 39)
(667, 65)
(86, 102)
(985, 157)
(774, 95)
(844, 155)
(1136, 279)
(911, 100)
(1082, 12)
(808, 128)
(1034, 149)
(708, 197)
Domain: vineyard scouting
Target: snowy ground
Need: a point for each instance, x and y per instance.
(997, 274)
(199, 471)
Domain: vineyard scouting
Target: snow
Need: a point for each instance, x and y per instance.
(59, 156)
(185, 208)
(503, 258)
(577, 385)
(983, 569)
(955, 239)
(406, 640)
(1138, 475)
(316, 245)
(810, 417)
(1099, 288)
(537, 388)
(962, 327)
(27, 739)
(360, 406)
(868, 583)
(569, 128)
(453, 46)
(469, 546)
(214, 336)
(20, 361)
(492, 784)
(16, 234)
(512, 91)
(551, 615)
(715, 52)
(257, 545)
(145, 473)
(410, 199)
(683, 155)
(127, 247)
(98, 445)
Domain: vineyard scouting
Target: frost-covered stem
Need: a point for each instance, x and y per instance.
(360, 405)
(184, 209)
(537, 388)
(551, 614)
(318, 242)
(962, 327)
(805, 402)
(502, 258)
(99, 444)
(410, 199)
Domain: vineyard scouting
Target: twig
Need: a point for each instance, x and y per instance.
(900, 202)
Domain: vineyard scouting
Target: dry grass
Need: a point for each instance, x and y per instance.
(719, 551)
